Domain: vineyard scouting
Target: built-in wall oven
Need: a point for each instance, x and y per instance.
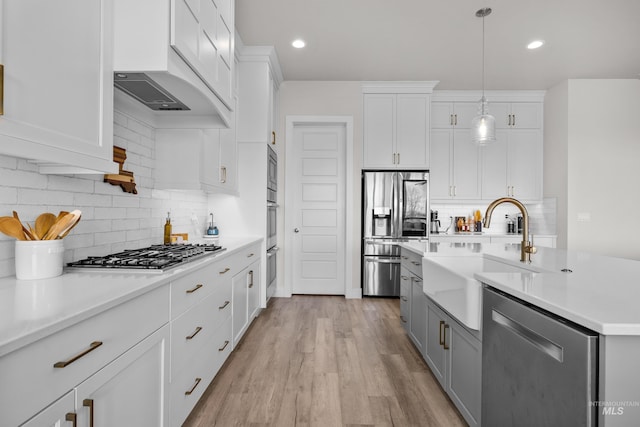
(272, 220)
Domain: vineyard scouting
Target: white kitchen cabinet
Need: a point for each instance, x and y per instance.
(452, 115)
(396, 130)
(203, 34)
(517, 115)
(131, 390)
(94, 358)
(512, 165)
(196, 159)
(259, 77)
(455, 166)
(254, 290)
(62, 412)
(187, 48)
(454, 355)
(246, 295)
(58, 84)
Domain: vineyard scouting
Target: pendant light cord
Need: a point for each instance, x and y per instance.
(483, 98)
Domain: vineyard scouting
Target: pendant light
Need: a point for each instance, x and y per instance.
(483, 126)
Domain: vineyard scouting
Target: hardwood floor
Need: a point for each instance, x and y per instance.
(325, 361)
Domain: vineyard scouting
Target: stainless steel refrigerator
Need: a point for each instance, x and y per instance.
(394, 209)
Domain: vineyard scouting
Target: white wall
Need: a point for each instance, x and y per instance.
(556, 155)
(602, 139)
(111, 219)
(330, 99)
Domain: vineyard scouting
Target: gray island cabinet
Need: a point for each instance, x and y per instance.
(595, 292)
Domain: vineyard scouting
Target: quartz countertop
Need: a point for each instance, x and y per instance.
(599, 292)
(33, 309)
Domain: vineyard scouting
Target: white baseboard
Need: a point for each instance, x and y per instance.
(353, 293)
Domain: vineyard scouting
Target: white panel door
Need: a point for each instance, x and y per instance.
(318, 191)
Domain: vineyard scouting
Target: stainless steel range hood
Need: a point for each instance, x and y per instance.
(143, 88)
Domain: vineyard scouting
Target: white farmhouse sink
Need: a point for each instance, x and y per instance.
(449, 281)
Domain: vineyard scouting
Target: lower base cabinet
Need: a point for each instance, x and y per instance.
(454, 354)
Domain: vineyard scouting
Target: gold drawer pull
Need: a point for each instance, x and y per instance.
(440, 332)
(66, 363)
(89, 404)
(226, 343)
(444, 338)
(250, 255)
(71, 416)
(1, 90)
(198, 329)
(188, 393)
(226, 303)
(250, 279)
(198, 286)
(415, 263)
(225, 270)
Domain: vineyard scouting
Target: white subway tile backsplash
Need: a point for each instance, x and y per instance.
(112, 220)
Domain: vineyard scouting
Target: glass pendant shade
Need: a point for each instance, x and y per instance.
(483, 126)
(483, 129)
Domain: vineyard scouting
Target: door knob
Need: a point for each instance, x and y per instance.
(296, 230)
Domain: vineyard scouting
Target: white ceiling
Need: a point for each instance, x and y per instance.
(442, 40)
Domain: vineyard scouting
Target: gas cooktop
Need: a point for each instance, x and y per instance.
(156, 258)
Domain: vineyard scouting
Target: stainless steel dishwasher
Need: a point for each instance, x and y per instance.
(537, 369)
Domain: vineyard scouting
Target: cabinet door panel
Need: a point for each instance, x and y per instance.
(494, 167)
(55, 414)
(239, 301)
(412, 130)
(440, 168)
(527, 115)
(254, 289)
(418, 314)
(441, 113)
(465, 373)
(379, 130)
(435, 354)
(466, 173)
(501, 112)
(525, 163)
(132, 390)
(58, 82)
(464, 114)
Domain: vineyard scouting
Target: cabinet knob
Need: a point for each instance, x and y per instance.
(296, 230)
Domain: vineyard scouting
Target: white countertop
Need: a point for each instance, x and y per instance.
(33, 309)
(601, 293)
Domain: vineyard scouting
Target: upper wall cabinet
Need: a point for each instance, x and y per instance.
(177, 49)
(259, 77)
(396, 125)
(509, 167)
(58, 84)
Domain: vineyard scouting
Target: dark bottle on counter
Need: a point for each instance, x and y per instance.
(167, 230)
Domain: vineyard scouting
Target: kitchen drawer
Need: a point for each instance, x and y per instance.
(412, 261)
(193, 329)
(197, 375)
(36, 382)
(189, 289)
(246, 256)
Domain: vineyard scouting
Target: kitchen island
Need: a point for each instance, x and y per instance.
(596, 292)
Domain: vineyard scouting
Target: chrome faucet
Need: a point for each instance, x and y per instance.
(526, 247)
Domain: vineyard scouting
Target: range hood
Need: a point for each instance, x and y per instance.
(143, 88)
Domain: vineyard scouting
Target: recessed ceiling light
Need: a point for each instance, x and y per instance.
(535, 44)
(298, 43)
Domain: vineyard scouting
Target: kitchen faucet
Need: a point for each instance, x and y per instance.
(526, 248)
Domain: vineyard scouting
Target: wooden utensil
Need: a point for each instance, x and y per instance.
(27, 233)
(12, 228)
(66, 231)
(44, 222)
(63, 225)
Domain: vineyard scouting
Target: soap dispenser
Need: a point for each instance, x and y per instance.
(212, 230)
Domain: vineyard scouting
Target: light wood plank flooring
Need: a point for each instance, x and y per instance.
(325, 361)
